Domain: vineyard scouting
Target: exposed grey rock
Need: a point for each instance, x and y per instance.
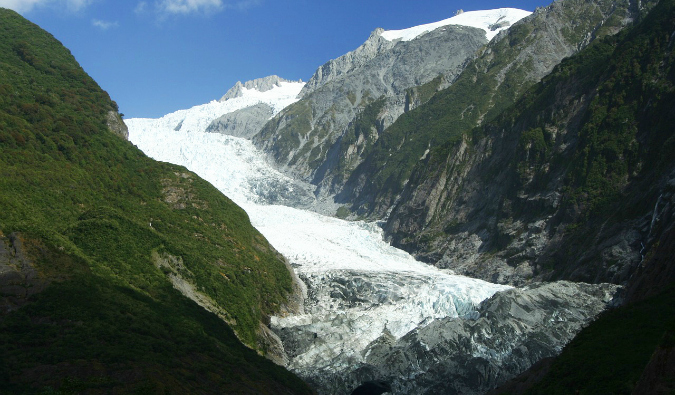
(259, 84)
(511, 331)
(117, 125)
(349, 62)
(486, 209)
(245, 123)
(305, 138)
(18, 277)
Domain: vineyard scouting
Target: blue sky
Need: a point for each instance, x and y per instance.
(158, 56)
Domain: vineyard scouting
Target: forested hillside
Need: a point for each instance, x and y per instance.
(96, 238)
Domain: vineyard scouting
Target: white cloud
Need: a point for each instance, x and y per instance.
(103, 25)
(189, 6)
(141, 7)
(77, 5)
(23, 6)
(205, 7)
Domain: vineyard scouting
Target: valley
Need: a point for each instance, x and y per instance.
(359, 292)
(484, 204)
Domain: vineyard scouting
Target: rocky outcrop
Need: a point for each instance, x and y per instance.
(259, 84)
(18, 277)
(245, 123)
(349, 62)
(307, 138)
(116, 124)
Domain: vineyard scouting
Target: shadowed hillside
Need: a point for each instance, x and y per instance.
(96, 239)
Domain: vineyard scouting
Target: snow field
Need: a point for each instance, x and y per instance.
(479, 19)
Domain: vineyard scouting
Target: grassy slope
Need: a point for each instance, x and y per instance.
(92, 211)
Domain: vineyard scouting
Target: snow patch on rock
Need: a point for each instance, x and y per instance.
(492, 21)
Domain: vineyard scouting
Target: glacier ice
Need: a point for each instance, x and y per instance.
(371, 311)
(358, 286)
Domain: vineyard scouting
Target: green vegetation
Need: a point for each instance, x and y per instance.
(488, 85)
(295, 123)
(342, 212)
(96, 214)
(624, 133)
(422, 93)
(359, 137)
(93, 333)
(609, 356)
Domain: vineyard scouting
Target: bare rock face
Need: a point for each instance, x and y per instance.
(245, 123)
(306, 139)
(260, 84)
(116, 125)
(18, 277)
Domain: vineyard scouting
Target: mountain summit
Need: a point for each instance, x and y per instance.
(259, 84)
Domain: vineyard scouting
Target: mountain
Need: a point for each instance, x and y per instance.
(312, 139)
(369, 307)
(366, 313)
(574, 181)
(118, 273)
(566, 184)
(248, 121)
(488, 84)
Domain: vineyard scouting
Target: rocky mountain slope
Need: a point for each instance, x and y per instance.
(312, 139)
(248, 121)
(502, 71)
(109, 261)
(574, 181)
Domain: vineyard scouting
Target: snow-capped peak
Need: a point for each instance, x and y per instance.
(259, 84)
(196, 119)
(492, 21)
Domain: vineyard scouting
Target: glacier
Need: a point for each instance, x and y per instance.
(382, 289)
(370, 311)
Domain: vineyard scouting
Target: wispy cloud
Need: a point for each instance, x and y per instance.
(141, 7)
(76, 5)
(23, 6)
(103, 25)
(200, 7)
(178, 7)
